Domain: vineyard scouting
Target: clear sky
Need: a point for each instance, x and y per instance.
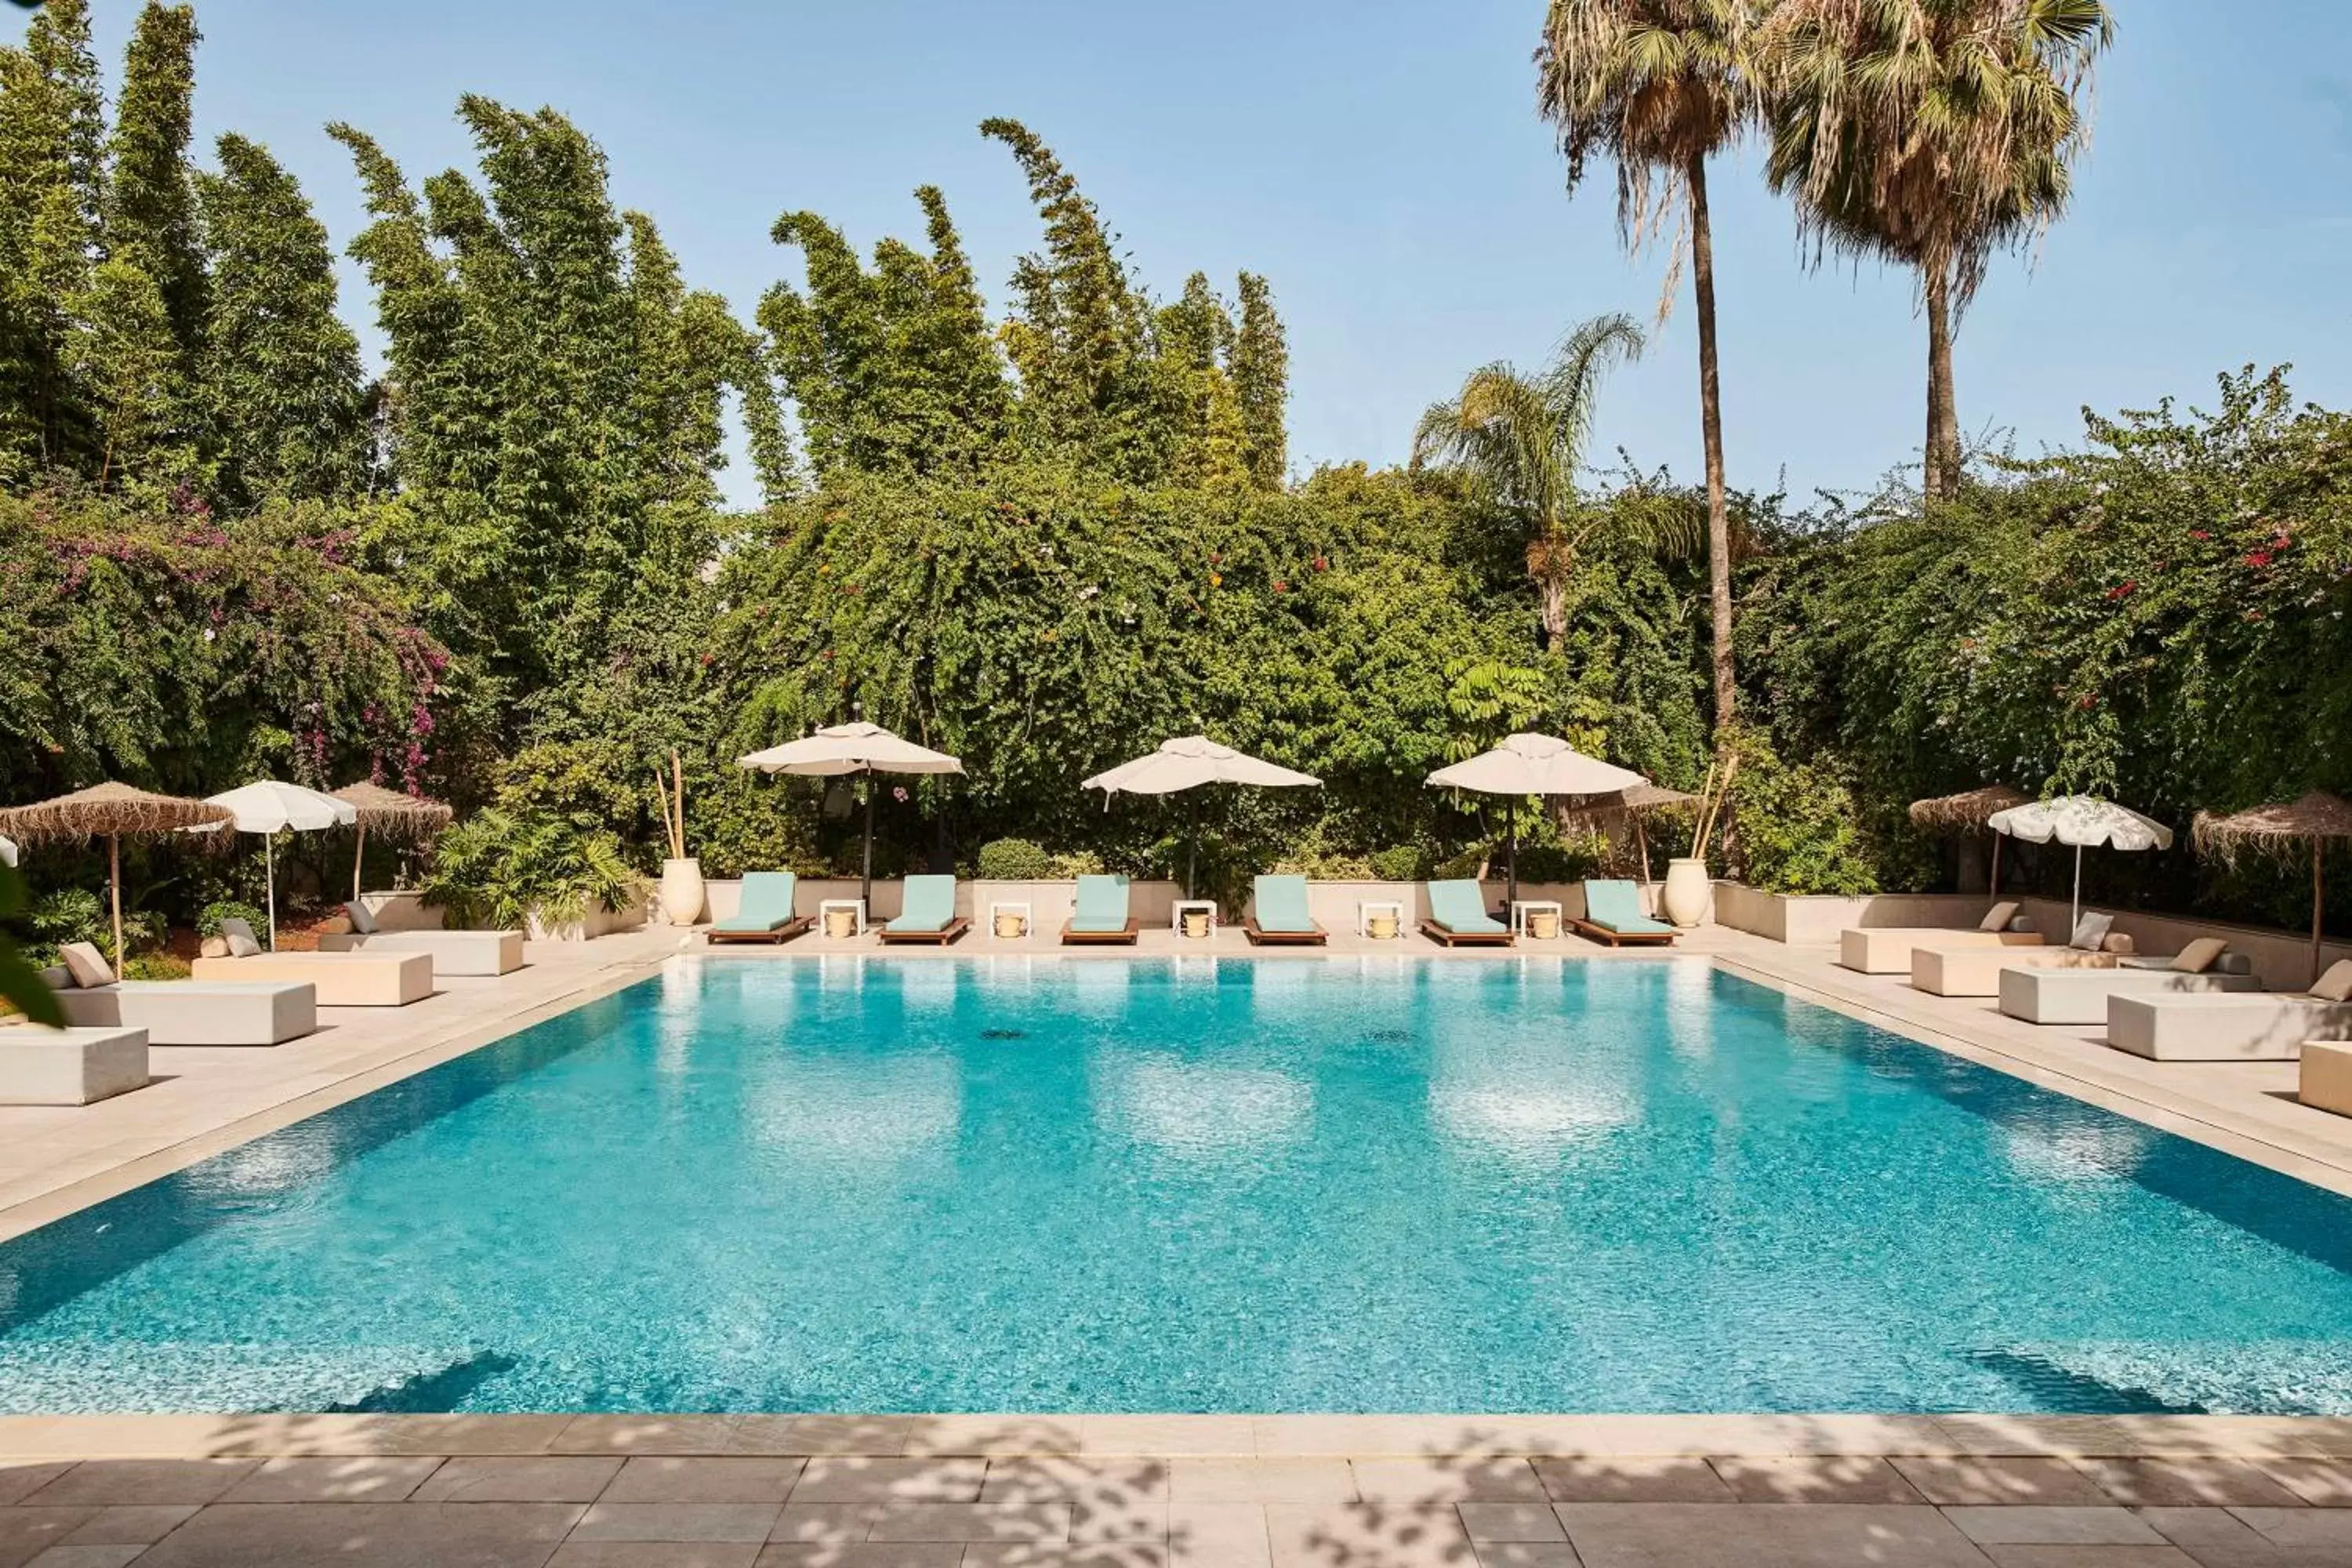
(1381, 161)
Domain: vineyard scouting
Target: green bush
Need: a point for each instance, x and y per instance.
(1067, 868)
(1401, 864)
(496, 870)
(208, 923)
(1013, 860)
(1570, 862)
(1798, 826)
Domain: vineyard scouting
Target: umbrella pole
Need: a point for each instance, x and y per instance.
(1642, 838)
(2077, 919)
(114, 888)
(2319, 904)
(359, 861)
(1996, 865)
(270, 876)
(1511, 844)
(865, 892)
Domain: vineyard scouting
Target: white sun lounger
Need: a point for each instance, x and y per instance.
(2080, 995)
(69, 1066)
(452, 951)
(1976, 971)
(179, 1012)
(2233, 1029)
(1888, 950)
(343, 979)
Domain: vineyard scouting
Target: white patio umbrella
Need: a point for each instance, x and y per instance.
(7, 850)
(2085, 822)
(270, 808)
(1532, 764)
(1187, 763)
(858, 748)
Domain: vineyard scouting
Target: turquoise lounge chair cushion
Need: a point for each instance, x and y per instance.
(1102, 904)
(1282, 904)
(767, 902)
(930, 904)
(1614, 906)
(1460, 906)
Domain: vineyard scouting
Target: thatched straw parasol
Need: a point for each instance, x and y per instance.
(406, 818)
(108, 811)
(1635, 801)
(1969, 809)
(2275, 830)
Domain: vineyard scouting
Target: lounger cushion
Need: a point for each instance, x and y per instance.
(1101, 904)
(2198, 955)
(1460, 906)
(1997, 917)
(241, 942)
(2335, 985)
(86, 964)
(764, 904)
(363, 921)
(1614, 906)
(2090, 932)
(929, 904)
(1281, 904)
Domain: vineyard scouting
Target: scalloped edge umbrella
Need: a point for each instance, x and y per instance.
(2084, 822)
(268, 808)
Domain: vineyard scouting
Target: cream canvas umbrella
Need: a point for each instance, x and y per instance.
(1187, 763)
(108, 811)
(7, 851)
(2085, 822)
(1533, 764)
(858, 748)
(270, 808)
(2315, 818)
(411, 818)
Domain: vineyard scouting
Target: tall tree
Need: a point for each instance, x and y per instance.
(151, 200)
(1932, 133)
(1659, 87)
(1523, 437)
(52, 144)
(1261, 374)
(285, 400)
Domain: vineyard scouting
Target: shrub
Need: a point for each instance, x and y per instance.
(1401, 864)
(1798, 826)
(208, 923)
(496, 869)
(1080, 863)
(1013, 860)
(1570, 862)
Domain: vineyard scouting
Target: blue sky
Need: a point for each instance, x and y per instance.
(1378, 160)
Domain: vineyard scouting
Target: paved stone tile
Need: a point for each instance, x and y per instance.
(2064, 1437)
(972, 1521)
(1227, 1435)
(131, 1525)
(649, 1478)
(1500, 1479)
(1216, 1535)
(1814, 1479)
(1863, 1434)
(1631, 1481)
(646, 1435)
(1338, 1436)
(101, 1483)
(2201, 1530)
(1764, 1535)
(1502, 1521)
(2302, 1528)
(118, 1436)
(365, 1535)
(1260, 1480)
(2321, 1483)
(656, 1554)
(479, 1434)
(882, 1554)
(1075, 1479)
(2014, 1480)
(2187, 1483)
(845, 1479)
(26, 1532)
(21, 1479)
(87, 1556)
(1525, 1554)
(879, 1436)
(677, 1521)
(2090, 1557)
(992, 1434)
(1119, 1523)
(2033, 1525)
(822, 1523)
(499, 1477)
(341, 1478)
(1050, 1554)
(1366, 1535)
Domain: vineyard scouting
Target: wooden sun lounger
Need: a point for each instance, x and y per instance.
(785, 933)
(1123, 937)
(941, 937)
(1621, 938)
(1260, 937)
(1446, 936)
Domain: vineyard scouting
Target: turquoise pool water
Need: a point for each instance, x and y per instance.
(1114, 1186)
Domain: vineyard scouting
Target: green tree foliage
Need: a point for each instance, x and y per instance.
(285, 399)
(1261, 376)
(151, 205)
(52, 136)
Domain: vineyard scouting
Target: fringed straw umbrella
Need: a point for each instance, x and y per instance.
(404, 818)
(2275, 829)
(108, 811)
(1969, 811)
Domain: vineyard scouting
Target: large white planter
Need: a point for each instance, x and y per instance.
(681, 892)
(1686, 892)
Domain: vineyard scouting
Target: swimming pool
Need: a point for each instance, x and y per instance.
(1108, 1185)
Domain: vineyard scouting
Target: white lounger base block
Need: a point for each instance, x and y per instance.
(1976, 971)
(343, 979)
(2225, 1028)
(473, 952)
(2080, 996)
(198, 1013)
(69, 1066)
(1887, 951)
(2326, 1082)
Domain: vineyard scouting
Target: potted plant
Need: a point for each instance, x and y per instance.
(682, 890)
(1688, 889)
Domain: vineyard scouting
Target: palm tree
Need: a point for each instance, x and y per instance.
(1659, 86)
(1932, 133)
(1523, 437)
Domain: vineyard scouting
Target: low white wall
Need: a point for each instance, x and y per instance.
(405, 910)
(1815, 920)
(402, 909)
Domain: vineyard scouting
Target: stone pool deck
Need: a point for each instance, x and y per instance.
(1141, 1491)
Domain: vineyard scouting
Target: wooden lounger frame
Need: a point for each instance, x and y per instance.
(782, 934)
(1260, 937)
(1622, 938)
(1445, 936)
(941, 937)
(1123, 937)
